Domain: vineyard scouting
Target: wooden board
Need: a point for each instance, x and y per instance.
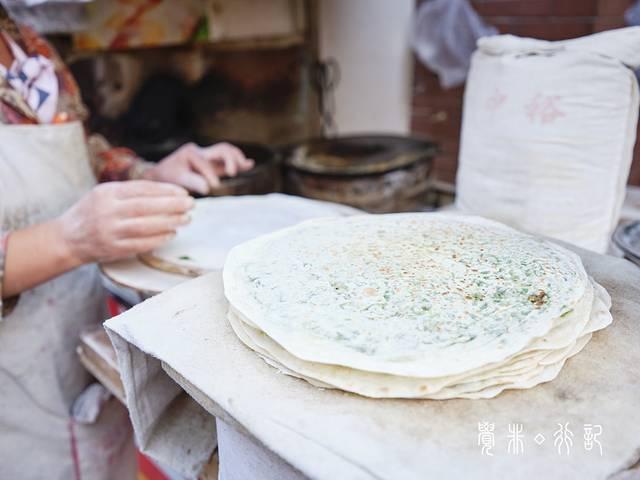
(151, 260)
(98, 356)
(142, 280)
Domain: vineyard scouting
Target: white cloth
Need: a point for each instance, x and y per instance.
(240, 456)
(328, 434)
(43, 170)
(169, 426)
(548, 132)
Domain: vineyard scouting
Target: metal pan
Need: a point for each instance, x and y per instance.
(627, 238)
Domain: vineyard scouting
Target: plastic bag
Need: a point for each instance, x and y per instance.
(444, 37)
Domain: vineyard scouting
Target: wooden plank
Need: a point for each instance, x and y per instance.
(211, 469)
(98, 356)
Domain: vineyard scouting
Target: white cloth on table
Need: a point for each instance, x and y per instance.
(182, 334)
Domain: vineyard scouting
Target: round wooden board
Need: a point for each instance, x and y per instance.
(162, 265)
(140, 279)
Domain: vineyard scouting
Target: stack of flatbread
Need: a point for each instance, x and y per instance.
(218, 224)
(412, 305)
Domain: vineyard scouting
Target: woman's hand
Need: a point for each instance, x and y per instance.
(199, 168)
(114, 220)
(119, 219)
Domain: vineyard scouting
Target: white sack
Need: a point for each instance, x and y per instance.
(548, 132)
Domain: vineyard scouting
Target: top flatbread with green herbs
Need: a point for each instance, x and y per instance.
(421, 295)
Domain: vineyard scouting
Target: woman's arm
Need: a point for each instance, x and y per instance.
(24, 268)
(114, 220)
(197, 169)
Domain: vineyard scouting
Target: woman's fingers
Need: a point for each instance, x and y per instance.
(232, 157)
(151, 226)
(148, 188)
(207, 169)
(243, 163)
(192, 181)
(222, 155)
(133, 246)
(141, 207)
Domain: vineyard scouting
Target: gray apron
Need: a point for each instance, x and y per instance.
(44, 169)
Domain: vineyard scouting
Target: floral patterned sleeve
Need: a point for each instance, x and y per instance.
(114, 163)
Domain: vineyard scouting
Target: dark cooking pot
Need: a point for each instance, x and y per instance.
(377, 173)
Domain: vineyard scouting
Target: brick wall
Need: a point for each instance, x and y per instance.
(437, 113)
